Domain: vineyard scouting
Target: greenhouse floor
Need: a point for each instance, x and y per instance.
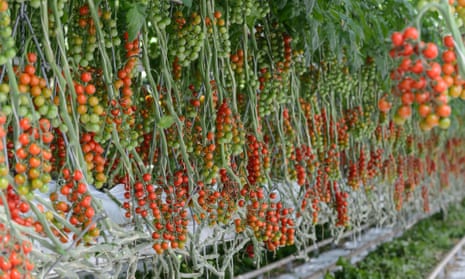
(452, 265)
(355, 249)
(457, 270)
(316, 269)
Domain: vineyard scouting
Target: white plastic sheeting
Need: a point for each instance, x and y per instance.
(112, 209)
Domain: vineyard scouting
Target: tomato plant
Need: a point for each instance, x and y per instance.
(258, 120)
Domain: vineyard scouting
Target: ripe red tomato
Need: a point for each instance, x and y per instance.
(32, 57)
(15, 259)
(449, 41)
(24, 139)
(443, 110)
(431, 51)
(417, 68)
(405, 64)
(81, 188)
(407, 98)
(432, 120)
(408, 50)
(397, 39)
(90, 89)
(77, 175)
(90, 212)
(442, 99)
(24, 207)
(147, 177)
(24, 123)
(15, 274)
(404, 111)
(440, 85)
(27, 247)
(86, 201)
(419, 84)
(448, 68)
(448, 56)
(424, 110)
(405, 84)
(86, 77)
(410, 33)
(34, 149)
(434, 71)
(5, 264)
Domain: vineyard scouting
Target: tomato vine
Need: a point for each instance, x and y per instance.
(254, 119)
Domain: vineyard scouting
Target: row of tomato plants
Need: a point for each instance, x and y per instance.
(211, 117)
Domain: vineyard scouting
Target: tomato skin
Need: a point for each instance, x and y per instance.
(410, 33)
(5, 264)
(443, 110)
(15, 259)
(444, 123)
(408, 98)
(25, 79)
(419, 84)
(32, 57)
(417, 68)
(384, 105)
(404, 111)
(397, 39)
(79, 89)
(432, 120)
(86, 201)
(448, 68)
(405, 84)
(431, 51)
(405, 64)
(24, 207)
(90, 89)
(15, 274)
(86, 77)
(90, 212)
(434, 71)
(147, 177)
(24, 123)
(34, 149)
(408, 50)
(424, 110)
(449, 41)
(77, 175)
(24, 139)
(82, 188)
(440, 86)
(27, 247)
(448, 56)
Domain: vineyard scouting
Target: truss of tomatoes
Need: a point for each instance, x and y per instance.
(425, 80)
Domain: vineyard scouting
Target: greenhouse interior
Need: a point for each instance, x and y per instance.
(232, 139)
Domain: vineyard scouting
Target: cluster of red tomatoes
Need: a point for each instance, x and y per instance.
(425, 79)
(14, 256)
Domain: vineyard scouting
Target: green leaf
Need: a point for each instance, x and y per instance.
(135, 18)
(187, 3)
(166, 121)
